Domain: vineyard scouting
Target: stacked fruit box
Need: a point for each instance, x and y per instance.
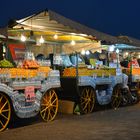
(89, 72)
(135, 71)
(24, 73)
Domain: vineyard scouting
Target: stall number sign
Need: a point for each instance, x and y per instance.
(29, 94)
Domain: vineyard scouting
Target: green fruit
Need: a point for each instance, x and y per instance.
(5, 63)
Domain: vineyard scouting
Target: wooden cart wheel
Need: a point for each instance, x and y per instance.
(49, 105)
(125, 99)
(116, 97)
(87, 100)
(135, 89)
(5, 111)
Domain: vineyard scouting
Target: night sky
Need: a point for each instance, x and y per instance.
(115, 17)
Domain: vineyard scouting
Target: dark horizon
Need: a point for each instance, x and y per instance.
(111, 17)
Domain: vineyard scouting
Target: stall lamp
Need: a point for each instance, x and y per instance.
(4, 49)
(83, 52)
(87, 52)
(117, 51)
(99, 51)
(41, 40)
(126, 53)
(139, 56)
(23, 38)
(73, 43)
(55, 36)
(111, 48)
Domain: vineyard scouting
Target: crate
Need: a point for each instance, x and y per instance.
(66, 106)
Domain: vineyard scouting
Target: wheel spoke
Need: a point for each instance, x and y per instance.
(4, 105)
(51, 106)
(44, 114)
(44, 98)
(83, 98)
(85, 106)
(54, 100)
(54, 105)
(82, 102)
(53, 110)
(43, 104)
(4, 116)
(6, 110)
(89, 107)
(1, 98)
(87, 92)
(87, 100)
(1, 123)
(44, 109)
(91, 94)
(116, 99)
(51, 96)
(113, 103)
(48, 114)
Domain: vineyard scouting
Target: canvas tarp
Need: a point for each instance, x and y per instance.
(49, 20)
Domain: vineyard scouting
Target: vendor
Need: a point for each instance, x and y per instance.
(134, 63)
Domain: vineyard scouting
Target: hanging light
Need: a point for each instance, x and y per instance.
(55, 36)
(4, 49)
(87, 52)
(126, 53)
(111, 48)
(41, 40)
(72, 43)
(139, 56)
(117, 51)
(83, 52)
(23, 38)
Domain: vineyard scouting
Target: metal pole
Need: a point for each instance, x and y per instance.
(117, 51)
(130, 68)
(77, 74)
(54, 52)
(77, 65)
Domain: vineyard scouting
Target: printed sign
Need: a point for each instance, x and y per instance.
(17, 51)
(29, 94)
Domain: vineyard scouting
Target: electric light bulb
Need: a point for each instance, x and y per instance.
(117, 51)
(126, 53)
(23, 38)
(83, 52)
(87, 52)
(111, 48)
(73, 43)
(55, 36)
(41, 40)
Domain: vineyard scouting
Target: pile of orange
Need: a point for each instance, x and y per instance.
(25, 73)
(30, 64)
(88, 72)
(69, 72)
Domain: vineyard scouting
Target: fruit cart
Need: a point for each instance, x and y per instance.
(87, 86)
(133, 83)
(129, 56)
(27, 92)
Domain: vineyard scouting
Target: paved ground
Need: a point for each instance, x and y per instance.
(121, 124)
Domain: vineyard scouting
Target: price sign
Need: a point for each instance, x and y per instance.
(29, 94)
